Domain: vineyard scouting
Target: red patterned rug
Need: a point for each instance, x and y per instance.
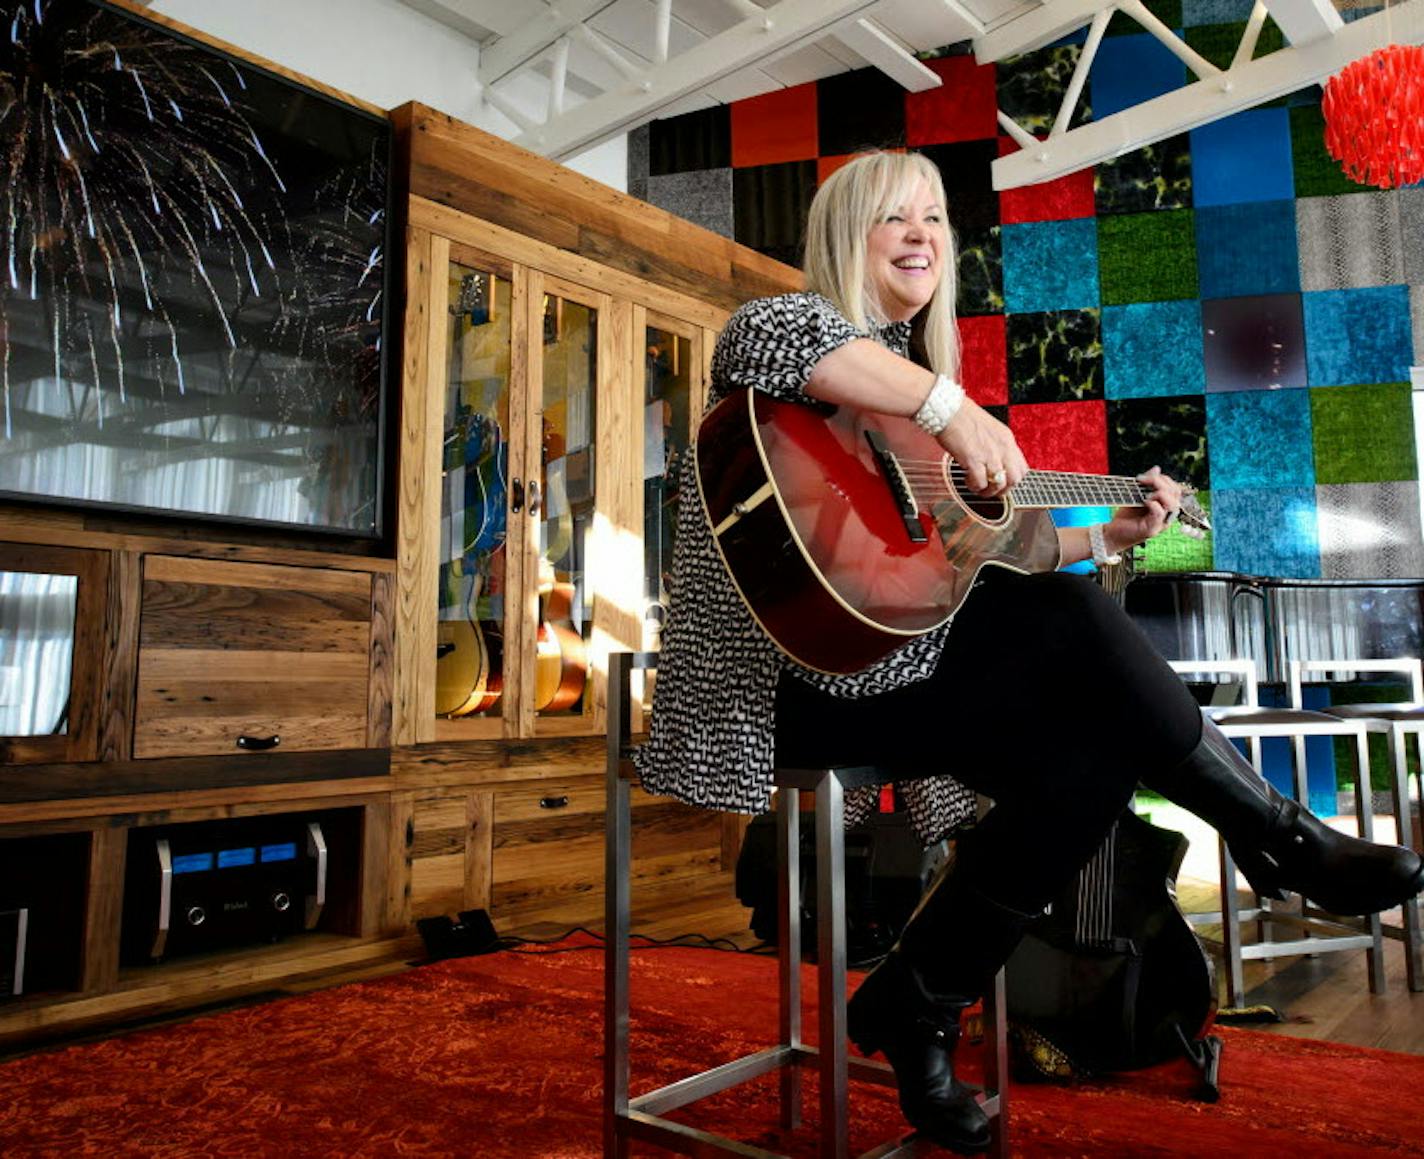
(500, 1056)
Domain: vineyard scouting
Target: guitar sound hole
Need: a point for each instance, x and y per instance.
(989, 509)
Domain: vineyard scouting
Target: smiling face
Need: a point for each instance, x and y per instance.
(904, 254)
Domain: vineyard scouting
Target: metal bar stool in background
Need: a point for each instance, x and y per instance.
(1396, 722)
(626, 1118)
(1317, 933)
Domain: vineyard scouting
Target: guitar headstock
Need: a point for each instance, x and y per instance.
(1193, 518)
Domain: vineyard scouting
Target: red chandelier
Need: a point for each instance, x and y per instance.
(1374, 117)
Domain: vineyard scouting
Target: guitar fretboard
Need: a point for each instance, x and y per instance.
(1064, 489)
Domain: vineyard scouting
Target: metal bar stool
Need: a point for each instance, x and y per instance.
(625, 1118)
(1317, 933)
(1396, 722)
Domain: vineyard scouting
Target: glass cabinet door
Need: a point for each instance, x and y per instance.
(566, 465)
(667, 426)
(474, 478)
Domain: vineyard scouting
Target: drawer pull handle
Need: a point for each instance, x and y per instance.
(553, 802)
(258, 744)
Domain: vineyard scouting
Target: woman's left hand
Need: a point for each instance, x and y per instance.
(1133, 525)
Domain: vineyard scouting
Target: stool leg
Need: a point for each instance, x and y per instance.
(1231, 929)
(1365, 818)
(1404, 822)
(831, 968)
(788, 900)
(996, 1063)
(616, 926)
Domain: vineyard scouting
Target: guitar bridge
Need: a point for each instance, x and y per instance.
(898, 484)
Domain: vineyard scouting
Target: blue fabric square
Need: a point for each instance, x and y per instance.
(1246, 157)
(1152, 349)
(1260, 438)
(1197, 12)
(1270, 531)
(1360, 335)
(1248, 248)
(1129, 70)
(1050, 265)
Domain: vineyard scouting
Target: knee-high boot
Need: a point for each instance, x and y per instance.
(1280, 845)
(909, 1006)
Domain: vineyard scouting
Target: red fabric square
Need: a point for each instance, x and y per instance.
(776, 126)
(984, 363)
(1063, 436)
(825, 166)
(1066, 197)
(964, 108)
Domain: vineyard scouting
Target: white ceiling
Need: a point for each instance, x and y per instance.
(573, 73)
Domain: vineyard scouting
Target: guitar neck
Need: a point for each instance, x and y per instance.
(1045, 489)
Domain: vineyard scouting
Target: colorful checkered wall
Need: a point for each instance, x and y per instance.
(1225, 303)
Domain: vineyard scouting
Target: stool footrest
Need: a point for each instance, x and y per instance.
(719, 1078)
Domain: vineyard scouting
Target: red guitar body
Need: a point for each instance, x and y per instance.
(818, 530)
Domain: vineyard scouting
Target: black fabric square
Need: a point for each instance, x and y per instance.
(981, 270)
(700, 140)
(769, 206)
(1166, 432)
(859, 110)
(1055, 356)
(965, 169)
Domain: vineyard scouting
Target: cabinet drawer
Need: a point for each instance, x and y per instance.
(549, 843)
(236, 650)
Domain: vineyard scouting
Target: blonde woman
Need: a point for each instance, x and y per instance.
(1039, 693)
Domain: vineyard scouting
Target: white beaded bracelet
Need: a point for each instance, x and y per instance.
(940, 406)
(1100, 546)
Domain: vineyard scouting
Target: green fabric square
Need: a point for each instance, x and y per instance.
(1169, 12)
(1317, 174)
(1147, 257)
(1218, 42)
(1175, 550)
(1363, 434)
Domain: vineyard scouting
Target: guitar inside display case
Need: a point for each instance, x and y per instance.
(469, 667)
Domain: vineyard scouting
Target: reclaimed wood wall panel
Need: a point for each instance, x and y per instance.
(479, 174)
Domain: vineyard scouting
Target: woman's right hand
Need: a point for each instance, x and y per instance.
(985, 448)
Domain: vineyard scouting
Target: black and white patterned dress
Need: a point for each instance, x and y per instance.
(712, 737)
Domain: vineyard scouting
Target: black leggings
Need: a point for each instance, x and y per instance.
(1048, 699)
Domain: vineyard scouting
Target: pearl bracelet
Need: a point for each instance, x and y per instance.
(940, 406)
(1099, 545)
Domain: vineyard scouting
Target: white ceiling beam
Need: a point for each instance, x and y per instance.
(477, 19)
(1034, 29)
(1304, 21)
(757, 39)
(1241, 87)
(926, 24)
(536, 36)
(887, 54)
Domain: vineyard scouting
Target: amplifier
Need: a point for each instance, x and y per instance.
(14, 926)
(209, 885)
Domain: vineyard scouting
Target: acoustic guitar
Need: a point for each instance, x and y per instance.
(560, 655)
(847, 534)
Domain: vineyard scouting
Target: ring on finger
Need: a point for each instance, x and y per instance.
(998, 478)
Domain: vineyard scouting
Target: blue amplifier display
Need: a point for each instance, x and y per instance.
(207, 885)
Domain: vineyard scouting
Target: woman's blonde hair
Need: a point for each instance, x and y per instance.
(850, 202)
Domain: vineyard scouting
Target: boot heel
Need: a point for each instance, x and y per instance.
(1261, 875)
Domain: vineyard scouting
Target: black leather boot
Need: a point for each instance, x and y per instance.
(1279, 844)
(908, 1008)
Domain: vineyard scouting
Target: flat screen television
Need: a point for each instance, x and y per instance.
(193, 278)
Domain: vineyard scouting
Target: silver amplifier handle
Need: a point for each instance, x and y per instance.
(22, 927)
(316, 848)
(165, 896)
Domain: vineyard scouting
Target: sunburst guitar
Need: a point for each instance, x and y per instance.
(849, 534)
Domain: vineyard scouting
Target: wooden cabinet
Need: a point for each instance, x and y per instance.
(241, 657)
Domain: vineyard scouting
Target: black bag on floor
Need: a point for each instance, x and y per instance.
(886, 871)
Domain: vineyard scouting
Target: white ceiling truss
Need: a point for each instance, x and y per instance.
(570, 74)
